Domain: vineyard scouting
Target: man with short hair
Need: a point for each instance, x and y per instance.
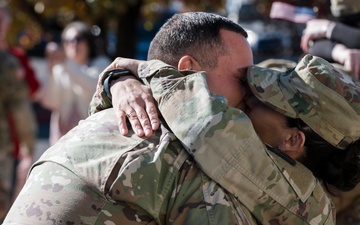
(93, 175)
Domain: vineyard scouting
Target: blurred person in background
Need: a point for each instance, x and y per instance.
(14, 101)
(336, 40)
(73, 73)
(27, 87)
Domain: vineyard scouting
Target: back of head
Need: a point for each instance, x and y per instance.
(194, 33)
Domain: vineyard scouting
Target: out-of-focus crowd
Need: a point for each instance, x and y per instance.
(72, 72)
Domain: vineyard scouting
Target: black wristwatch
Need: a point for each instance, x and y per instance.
(113, 75)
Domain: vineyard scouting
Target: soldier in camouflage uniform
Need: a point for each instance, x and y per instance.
(93, 175)
(346, 13)
(15, 102)
(347, 204)
(340, 202)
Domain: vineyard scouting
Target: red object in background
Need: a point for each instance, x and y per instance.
(30, 76)
(33, 85)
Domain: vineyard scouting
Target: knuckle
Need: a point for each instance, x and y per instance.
(152, 110)
(136, 125)
(132, 117)
(143, 116)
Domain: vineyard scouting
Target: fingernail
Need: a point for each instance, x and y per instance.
(122, 131)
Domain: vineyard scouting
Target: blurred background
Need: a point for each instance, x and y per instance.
(125, 28)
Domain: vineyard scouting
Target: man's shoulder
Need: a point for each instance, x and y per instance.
(94, 137)
(92, 148)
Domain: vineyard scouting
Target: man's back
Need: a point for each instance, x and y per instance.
(93, 175)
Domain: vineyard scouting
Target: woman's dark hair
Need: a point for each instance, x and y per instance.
(336, 168)
(84, 31)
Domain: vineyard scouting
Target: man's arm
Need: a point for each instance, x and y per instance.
(225, 145)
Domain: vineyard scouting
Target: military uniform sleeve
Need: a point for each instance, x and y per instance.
(100, 100)
(224, 143)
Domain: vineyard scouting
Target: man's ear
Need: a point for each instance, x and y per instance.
(188, 62)
(293, 144)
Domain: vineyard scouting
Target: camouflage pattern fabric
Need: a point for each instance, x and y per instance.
(93, 175)
(347, 204)
(225, 145)
(316, 92)
(13, 101)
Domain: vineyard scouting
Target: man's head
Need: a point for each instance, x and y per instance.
(206, 42)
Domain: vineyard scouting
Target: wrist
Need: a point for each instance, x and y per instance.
(328, 29)
(114, 75)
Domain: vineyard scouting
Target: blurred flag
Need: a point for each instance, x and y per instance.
(297, 14)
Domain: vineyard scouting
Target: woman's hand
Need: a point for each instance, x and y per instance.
(133, 100)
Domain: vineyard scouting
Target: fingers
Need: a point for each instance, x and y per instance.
(305, 39)
(153, 115)
(352, 62)
(355, 67)
(134, 118)
(133, 102)
(143, 120)
(122, 122)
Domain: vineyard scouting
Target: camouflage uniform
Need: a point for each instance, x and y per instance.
(14, 101)
(347, 204)
(93, 175)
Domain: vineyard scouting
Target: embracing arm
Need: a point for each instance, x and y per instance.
(226, 147)
(132, 99)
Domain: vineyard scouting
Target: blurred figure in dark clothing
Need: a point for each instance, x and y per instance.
(336, 41)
